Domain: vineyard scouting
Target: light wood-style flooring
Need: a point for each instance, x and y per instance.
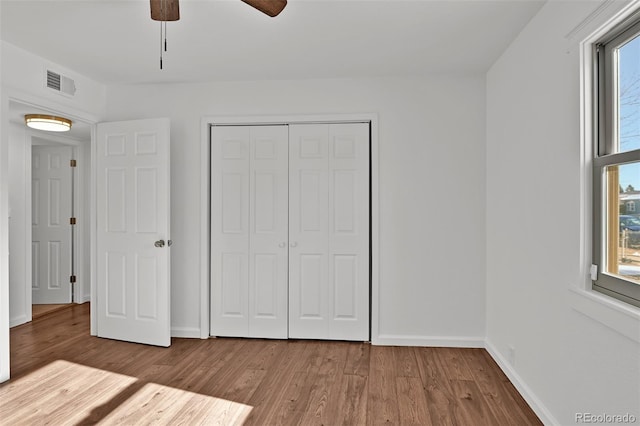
(63, 376)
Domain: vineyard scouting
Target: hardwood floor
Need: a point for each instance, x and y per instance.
(39, 310)
(63, 376)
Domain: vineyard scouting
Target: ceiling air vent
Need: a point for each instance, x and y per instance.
(60, 83)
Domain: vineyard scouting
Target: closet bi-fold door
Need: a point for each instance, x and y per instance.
(329, 231)
(249, 231)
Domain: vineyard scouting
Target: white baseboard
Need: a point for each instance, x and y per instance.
(433, 341)
(18, 321)
(534, 402)
(185, 332)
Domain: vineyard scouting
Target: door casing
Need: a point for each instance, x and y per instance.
(38, 103)
(205, 188)
(32, 138)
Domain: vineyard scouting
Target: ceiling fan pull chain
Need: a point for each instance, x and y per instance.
(162, 36)
(160, 45)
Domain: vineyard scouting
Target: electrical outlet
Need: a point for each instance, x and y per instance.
(511, 355)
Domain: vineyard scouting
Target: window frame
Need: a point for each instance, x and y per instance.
(606, 137)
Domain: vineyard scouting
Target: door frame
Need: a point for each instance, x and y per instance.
(205, 188)
(78, 192)
(7, 96)
(81, 189)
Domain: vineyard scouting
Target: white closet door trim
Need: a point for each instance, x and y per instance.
(205, 190)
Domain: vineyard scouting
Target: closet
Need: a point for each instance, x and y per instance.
(290, 246)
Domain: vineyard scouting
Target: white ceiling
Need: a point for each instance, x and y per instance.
(116, 42)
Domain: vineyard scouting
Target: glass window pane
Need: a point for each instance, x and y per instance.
(629, 95)
(623, 221)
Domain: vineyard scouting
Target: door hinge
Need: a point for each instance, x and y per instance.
(73, 163)
(72, 221)
(72, 279)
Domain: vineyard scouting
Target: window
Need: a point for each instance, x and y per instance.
(616, 166)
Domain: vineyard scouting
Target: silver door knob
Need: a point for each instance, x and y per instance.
(282, 245)
(294, 244)
(159, 243)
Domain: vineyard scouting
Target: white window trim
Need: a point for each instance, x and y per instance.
(619, 316)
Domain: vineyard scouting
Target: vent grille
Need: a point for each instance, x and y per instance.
(60, 83)
(53, 80)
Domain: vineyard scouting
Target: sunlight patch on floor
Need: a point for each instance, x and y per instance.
(68, 393)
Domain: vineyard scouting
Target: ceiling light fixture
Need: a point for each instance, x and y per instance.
(49, 123)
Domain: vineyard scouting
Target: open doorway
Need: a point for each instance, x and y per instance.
(49, 265)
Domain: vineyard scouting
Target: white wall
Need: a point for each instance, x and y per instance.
(566, 361)
(4, 238)
(19, 277)
(432, 186)
(23, 76)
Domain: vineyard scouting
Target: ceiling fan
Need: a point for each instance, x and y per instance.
(168, 10)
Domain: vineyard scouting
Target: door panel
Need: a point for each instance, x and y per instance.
(133, 214)
(290, 231)
(268, 195)
(329, 231)
(51, 231)
(249, 231)
(349, 231)
(229, 231)
(309, 231)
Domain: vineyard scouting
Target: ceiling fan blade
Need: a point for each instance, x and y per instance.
(269, 7)
(165, 10)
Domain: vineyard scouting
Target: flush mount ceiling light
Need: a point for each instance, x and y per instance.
(49, 123)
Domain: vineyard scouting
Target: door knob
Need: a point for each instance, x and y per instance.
(159, 243)
(294, 244)
(282, 245)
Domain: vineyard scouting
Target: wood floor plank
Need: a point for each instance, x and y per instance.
(412, 402)
(62, 375)
(323, 397)
(453, 363)
(405, 362)
(270, 352)
(295, 399)
(268, 398)
(470, 406)
(491, 382)
(358, 358)
(245, 385)
(438, 389)
(353, 396)
(383, 400)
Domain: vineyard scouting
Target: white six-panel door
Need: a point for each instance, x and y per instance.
(249, 231)
(51, 230)
(290, 231)
(329, 231)
(132, 240)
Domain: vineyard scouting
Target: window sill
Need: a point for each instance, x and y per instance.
(618, 316)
